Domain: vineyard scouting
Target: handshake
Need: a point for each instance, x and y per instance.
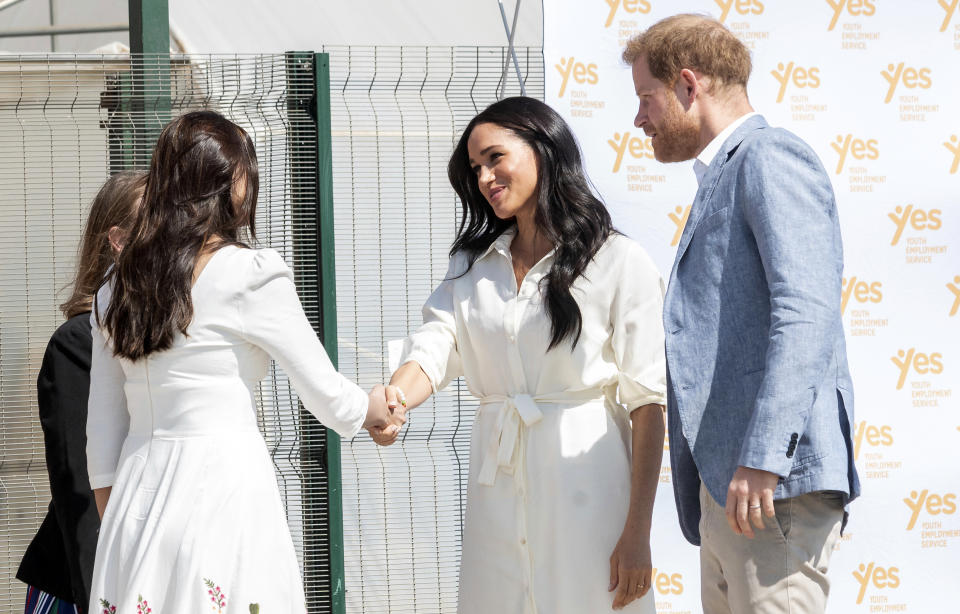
(386, 413)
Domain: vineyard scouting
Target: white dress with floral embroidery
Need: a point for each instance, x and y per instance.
(195, 521)
(549, 483)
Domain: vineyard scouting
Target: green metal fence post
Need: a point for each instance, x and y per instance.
(328, 314)
(150, 59)
(311, 201)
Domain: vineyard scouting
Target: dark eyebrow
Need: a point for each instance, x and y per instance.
(484, 152)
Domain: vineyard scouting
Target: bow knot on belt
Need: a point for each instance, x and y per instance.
(517, 412)
(504, 445)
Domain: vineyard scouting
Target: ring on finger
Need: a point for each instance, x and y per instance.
(753, 507)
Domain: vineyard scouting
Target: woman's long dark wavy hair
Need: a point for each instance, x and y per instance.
(568, 213)
(201, 187)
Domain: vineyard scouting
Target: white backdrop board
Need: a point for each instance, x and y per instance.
(872, 86)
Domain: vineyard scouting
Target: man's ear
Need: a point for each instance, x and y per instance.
(117, 237)
(688, 87)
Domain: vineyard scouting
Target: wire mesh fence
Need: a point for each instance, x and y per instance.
(68, 121)
(397, 112)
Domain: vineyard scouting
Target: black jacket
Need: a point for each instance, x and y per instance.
(59, 560)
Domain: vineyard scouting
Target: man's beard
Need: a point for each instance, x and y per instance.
(678, 136)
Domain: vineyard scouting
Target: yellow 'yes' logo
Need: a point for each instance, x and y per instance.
(949, 7)
(666, 584)
(581, 73)
(873, 435)
(679, 218)
(954, 288)
(861, 291)
(954, 147)
(879, 577)
(934, 505)
(630, 6)
(639, 148)
(910, 78)
(919, 362)
(858, 148)
(742, 7)
(918, 219)
(854, 8)
(799, 76)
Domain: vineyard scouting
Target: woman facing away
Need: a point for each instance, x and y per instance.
(183, 332)
(58, 562)
(554, 320)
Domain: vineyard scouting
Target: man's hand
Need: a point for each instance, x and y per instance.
(750, 492)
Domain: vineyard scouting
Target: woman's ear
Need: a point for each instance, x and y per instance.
(117, 237)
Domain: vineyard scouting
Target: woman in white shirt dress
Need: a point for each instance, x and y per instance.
(183, 331)
(554, 320)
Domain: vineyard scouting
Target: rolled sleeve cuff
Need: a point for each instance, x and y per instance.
(429, 366)
(634, 394)
(101, 480)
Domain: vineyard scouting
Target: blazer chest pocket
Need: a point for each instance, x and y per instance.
(715, 219)
(710, 237)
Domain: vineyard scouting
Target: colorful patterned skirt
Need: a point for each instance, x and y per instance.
(39, 602)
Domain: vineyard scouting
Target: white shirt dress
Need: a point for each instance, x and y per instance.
(550, 452)
(195, 522)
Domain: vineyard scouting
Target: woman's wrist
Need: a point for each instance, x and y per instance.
(638, 523)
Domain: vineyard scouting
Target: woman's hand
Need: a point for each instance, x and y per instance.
(630, 568)
(395, 401)
(378, 413)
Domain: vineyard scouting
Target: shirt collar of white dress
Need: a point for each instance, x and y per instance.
(502, 245)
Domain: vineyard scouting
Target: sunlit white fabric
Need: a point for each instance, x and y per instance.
(549, 479)
(195, 497)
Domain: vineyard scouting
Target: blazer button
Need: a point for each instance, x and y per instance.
(792, 446)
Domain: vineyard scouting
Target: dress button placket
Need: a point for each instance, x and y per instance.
(512, 322)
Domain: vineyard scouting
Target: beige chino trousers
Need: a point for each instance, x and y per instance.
(782, 570)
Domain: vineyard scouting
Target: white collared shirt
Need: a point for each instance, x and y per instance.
(702, 162)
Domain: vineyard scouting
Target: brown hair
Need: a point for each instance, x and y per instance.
(115, 205)
(696, 42)
(202, 186)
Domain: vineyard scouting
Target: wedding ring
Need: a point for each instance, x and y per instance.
(753, 507)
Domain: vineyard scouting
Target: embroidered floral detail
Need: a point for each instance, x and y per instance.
(217, 596)
(142, 606)
(108, 608)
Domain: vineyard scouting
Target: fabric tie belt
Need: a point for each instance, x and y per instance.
(507, 445)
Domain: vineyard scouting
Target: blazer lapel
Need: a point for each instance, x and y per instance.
(709, 183)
